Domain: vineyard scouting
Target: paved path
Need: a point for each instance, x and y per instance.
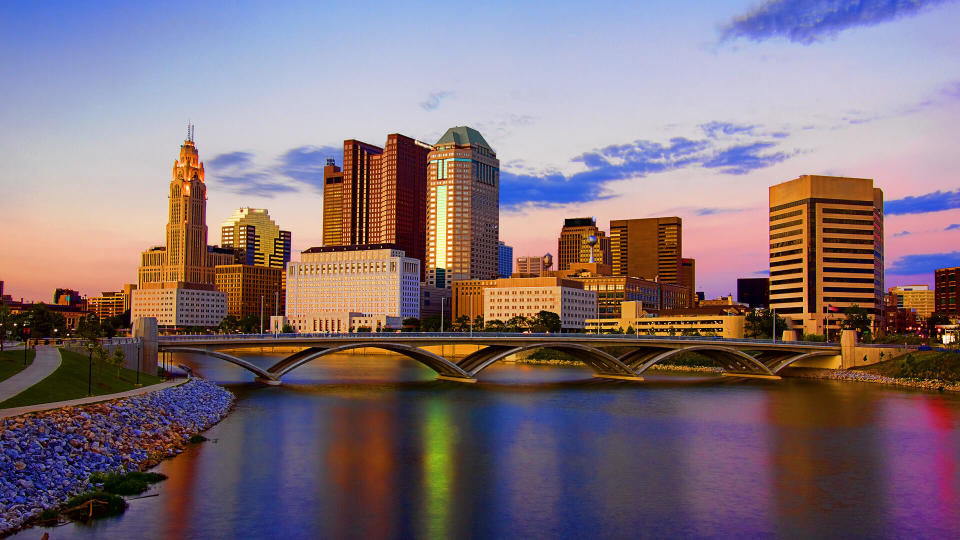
(4, 413)
(46, 362)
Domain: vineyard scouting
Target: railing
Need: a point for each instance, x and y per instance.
(491, 335)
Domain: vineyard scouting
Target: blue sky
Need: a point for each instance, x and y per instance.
(612, 109)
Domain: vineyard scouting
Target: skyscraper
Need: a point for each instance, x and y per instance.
(463, 208)
(379, 197)
(946, 293)
(572, 246)
(647, 248)
(504, 260)
(826, 250)
(257, 239)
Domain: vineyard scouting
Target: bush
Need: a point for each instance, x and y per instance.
(94, 504)
(133, 483)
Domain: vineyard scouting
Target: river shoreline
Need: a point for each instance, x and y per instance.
(47, 457)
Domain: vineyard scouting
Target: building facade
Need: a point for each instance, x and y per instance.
(945, 288)
(648, 248)
(533, 266)
(463, 208)
(754, 292)
(251, 290)
(917, 298)
(179, 307)
(369, 280)
(696, 322)
(826, 250)
(688, 274)
(504, 260)
(572, 246)
(510, 297)
(256, 238)
(112, 303)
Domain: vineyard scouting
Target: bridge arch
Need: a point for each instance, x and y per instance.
(433, 361)
(731, 359)
(778, 367)
(255, 369)
(599, 361)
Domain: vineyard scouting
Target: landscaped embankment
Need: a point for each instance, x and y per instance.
(46, 457)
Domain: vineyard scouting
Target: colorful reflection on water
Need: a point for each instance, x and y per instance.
(371, 446)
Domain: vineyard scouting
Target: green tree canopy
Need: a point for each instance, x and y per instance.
(759, 324)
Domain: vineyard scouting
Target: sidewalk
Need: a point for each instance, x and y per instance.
(46, 362)
(6, 413)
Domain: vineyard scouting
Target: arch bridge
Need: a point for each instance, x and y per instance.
(608, 356)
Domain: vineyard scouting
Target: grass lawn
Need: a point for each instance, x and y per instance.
(11, 363)
(69, 381)
(944, 366)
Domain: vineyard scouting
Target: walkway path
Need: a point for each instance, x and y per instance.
(46, 362)
(5, 413)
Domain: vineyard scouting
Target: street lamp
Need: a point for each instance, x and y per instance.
(26, 336)
(441, 313)
(261, 313)
(89, 368)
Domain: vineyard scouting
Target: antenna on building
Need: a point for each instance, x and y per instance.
(190, 130)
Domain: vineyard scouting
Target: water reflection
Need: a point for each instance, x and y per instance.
(371, 446)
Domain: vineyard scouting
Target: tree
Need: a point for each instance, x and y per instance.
(496, 325)
(545, 321)
(517, 323)
(630, 329)
(287, 329)
(411, 324)
(935, 319)
(858, 319)
(89, 327)
(461, 324)
(229, 324)
(43, 321)
(249, 324)
(363, 329)
(6, 324)
(759, 324)
(430, 323)
(478, 323)
(117, 359)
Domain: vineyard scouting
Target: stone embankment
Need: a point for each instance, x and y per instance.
(860, 376)
(657, 367)
(47, 457)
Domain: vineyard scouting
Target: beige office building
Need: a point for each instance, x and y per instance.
(512, 297)
(716, 321)
(331, 283)
(256, 238)
(179, 307)
(648, 248)
(919, 298)
(572, 246)
(826, 250)
(112, 303)
(532, 266)
(463, 208)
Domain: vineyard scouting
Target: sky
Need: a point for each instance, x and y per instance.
(609, 109)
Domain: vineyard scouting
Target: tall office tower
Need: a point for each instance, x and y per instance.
(463, 208)
(504, 260)
(332, 204)
(946, 294)
(688, 275)
(256, 238)
(826, 250)
(647, 248)
(572, 246)
(379, 197)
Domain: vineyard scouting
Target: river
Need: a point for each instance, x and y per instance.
(370, 446)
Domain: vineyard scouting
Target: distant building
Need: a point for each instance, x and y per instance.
(754, 292)
(435, 301)
(180, 306)
(688, 275)
(511, 297)
(251, 290)
(504, 260)
(715, 321)
(112, 303)
(946, 291)
(648, 248)
(572, 246)
(612, 290)
(721, 301)
(463, 208)
(898, 319)
(332, 286)
(256, 238)
(918, 298)
(826, 250)
(532, 266)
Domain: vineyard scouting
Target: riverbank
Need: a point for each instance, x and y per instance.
(862, 376)
(47, 457)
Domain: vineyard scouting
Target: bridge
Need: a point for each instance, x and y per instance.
(625, 357)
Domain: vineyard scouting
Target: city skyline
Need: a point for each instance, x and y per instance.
(700, 133)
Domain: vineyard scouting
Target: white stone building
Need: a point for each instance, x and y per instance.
(335, 288)
(179, 306)
(573, 305)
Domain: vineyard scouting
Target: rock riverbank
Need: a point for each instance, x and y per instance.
(47, 457)
(860, 376)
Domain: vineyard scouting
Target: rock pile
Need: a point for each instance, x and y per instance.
(47, 457)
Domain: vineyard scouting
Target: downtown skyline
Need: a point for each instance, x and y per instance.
(692, 112)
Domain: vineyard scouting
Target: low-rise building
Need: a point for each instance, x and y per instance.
(918, 298)
(527, 297)
(251, 290)
(112, 303)
(726, 322)
(364, 281)
(176, 306)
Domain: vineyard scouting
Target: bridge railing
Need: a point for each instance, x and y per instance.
(462, 335)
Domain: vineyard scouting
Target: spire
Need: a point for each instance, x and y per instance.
(190, 131)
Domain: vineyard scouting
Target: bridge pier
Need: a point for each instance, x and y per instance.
(456, 379)
(268, 382)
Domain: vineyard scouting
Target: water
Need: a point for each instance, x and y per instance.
(373, 447)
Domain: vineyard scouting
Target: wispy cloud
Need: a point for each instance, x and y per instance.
(952, 227)
(901, 233)
(764, 272)
(923, 263)
(726, 147)
(434, 99)
(293, 171)
(806, 22)
(921, 204)
(715, 211)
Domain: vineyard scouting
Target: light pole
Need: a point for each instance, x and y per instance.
(276, 310)
(471, 319)
(773, 314)
(26, 337)
(139, 343)
(441, 313)
(261, 313)
(89, 368)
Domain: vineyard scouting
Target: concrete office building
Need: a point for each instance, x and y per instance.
(527, 297)
(112, 303)
(715, 321)
(648, 248)
(531, 266)
(917, 298)
(180, 307)
(256, 238)
(358, 281)
(504, 260)
(251, 290)
(463, 208)
(572, 245)
(826, 250)
(945, 290)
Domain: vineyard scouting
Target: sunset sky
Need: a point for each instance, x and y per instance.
(608, 109)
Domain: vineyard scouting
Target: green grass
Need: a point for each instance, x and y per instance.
(69, 381)
(132, 483)
(107, 504)
(944, 366)
(11, 363)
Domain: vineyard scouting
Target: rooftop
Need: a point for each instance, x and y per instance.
(463, 136)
